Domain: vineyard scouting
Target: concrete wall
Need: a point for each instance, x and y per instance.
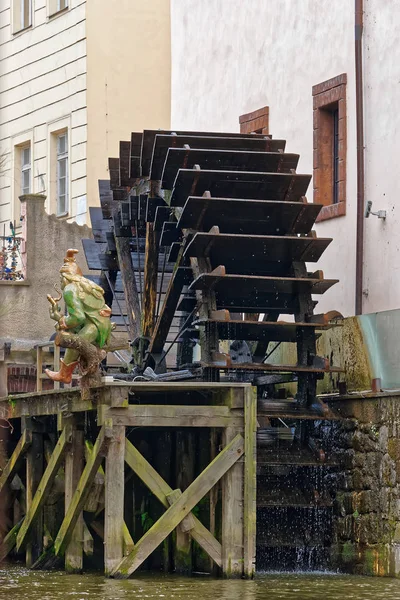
(129, 77)
(42, 90)
(24, 318)
(231, 57)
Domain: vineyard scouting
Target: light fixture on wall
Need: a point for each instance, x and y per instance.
(381, 214)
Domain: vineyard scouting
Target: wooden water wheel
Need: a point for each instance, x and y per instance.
(203, 240)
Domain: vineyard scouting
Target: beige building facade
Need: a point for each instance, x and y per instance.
(231, 57)
(76, 77)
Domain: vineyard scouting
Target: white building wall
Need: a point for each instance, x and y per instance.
(230, 57)
(43, 89)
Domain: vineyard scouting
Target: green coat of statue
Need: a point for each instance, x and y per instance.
(87, 314)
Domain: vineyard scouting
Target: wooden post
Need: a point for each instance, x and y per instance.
(250, 480)
(232, 514)
(34, 472)
(181, 507)
(39, 368)
(184, 476)
(73, 472)
(129, 284)
(150, 281)
(43, 489)
(81, 493)
(56, 364)
(114, 497)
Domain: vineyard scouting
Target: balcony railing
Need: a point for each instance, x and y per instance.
(11, 263)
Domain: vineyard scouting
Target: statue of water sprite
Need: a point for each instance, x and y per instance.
(87, 318)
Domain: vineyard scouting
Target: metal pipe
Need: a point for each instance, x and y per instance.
(359, 23)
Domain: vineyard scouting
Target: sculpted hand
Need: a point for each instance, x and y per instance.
(55, 312)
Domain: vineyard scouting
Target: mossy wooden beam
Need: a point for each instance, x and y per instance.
(9, 541)
(45, 484)
(150, 415)
(232, 514)
(48, 402)
(15, 459)
(150, 281)
(82, 491)
(114, 500)
(250, 481)
(73, 470)
(182, 507)
(161, 490)
(129, 544)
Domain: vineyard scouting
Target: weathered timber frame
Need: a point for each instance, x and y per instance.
(227, 409)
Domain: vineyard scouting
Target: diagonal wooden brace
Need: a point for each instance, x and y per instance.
(13, 464)
(45, 484)
(161, 490)
(82, 491)
(178, 511)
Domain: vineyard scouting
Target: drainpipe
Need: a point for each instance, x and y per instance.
(359, 22)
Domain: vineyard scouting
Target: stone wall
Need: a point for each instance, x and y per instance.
(24, 320)
(367, 505)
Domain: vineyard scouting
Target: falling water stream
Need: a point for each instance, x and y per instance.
(17, 583)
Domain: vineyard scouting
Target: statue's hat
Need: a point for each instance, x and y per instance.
(70, 265)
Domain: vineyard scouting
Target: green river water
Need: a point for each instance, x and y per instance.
(17, 583)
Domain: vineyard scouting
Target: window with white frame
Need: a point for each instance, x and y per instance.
(55, 6)
(62, 173)
(22, 14)
(25, 156)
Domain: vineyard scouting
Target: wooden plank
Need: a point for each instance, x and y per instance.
(9, 541)
(250, 481)
(175, 513)
(232, 514)
(15, 459)
(88, 542)
(258, 217)
(74, 460)
(238, 184)
(129, 285)
(255, 252)
(150, 282)
(180, 276)
(174, 416)
(217, 141)
(44, 486)
(34, 473)
(114, 501)
(261, 285)
(128, 542)
(81, 492)
(161, 489)
(225, 160)
(259, 330)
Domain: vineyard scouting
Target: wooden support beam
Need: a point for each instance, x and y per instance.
(129, 544)
(151, 415)
(129, 284)
(114, 501)
(15, 459)
(184, 460)
(150, 281)
(9, 541)
(88, 542)
(73, 470)
(232, 514)
(178, 511)
(44, 486)
(34, 473)
(250, 480)
(161, 490)
(81, 493)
